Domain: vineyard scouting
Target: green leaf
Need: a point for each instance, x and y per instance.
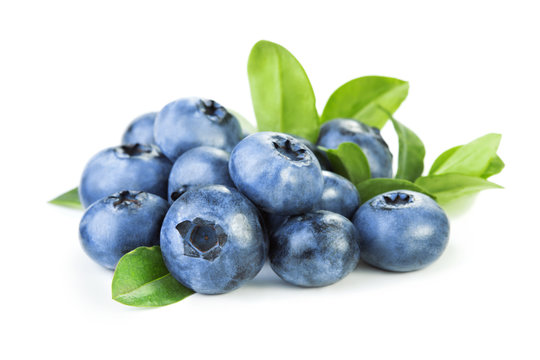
(281, 93)
(411, 152)
(448, 187)
(495, 166)
(373, 187)
(247, 126)
(471, 159)
(442, 158)
(349, 160)
(360, 99)
(69, 199)
(141, 279)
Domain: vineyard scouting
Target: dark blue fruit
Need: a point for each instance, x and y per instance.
(277, 173)
(339, 195)
(401, 230)
(141, 130)
(127, 167)
(212, 240)
(187, 123)
(203, 165)
(119, 223)
(314, 249)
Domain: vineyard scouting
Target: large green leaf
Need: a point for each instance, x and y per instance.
(471, 159)
(447, 187)
(360, 99)
(281, 93)
(141, 279)
(373, 187)
(349, 160)
(411, 152)
(69, 199)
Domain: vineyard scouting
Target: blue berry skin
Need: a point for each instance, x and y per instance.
(368, 138)
(314, 249)
(339, 195)
(187, 123)
(401, 230)
(321, 155)
(277, 173)
(212, 240)
(141, 130)
(203, 165)
(133, 167)
(119, 223)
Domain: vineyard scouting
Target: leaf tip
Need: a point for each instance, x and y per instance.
(261, 44)
(497, 186)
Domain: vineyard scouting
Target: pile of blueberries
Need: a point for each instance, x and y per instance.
(219, 202)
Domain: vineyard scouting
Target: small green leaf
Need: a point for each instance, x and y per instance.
(411, 152)
(373, 187)
(141, 279)
(360, 99)
(69, 199)
(349, 160)
(448, 187)
(442, 158)
(281, 93)
(495, 166)
(247, 126)
(471, 159)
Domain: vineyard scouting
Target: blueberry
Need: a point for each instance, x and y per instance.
(368, 138)
(339, 195)
(187, 123)
(134, 167)
(202, 165)
(119, 223)
(321, 155)
(314, 249)
(212, 240)
(141, 130)
(277, 172)
(401, 230)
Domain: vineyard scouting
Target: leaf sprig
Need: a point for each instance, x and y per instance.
(457, 172)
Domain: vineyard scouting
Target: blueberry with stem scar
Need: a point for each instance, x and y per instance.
(212, 240)
(119, 223)
(277, 172)
(401, 230)
(134, 167)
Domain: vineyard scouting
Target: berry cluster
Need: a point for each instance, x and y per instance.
(219, 202)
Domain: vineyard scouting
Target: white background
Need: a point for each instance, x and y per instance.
(72, 77)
